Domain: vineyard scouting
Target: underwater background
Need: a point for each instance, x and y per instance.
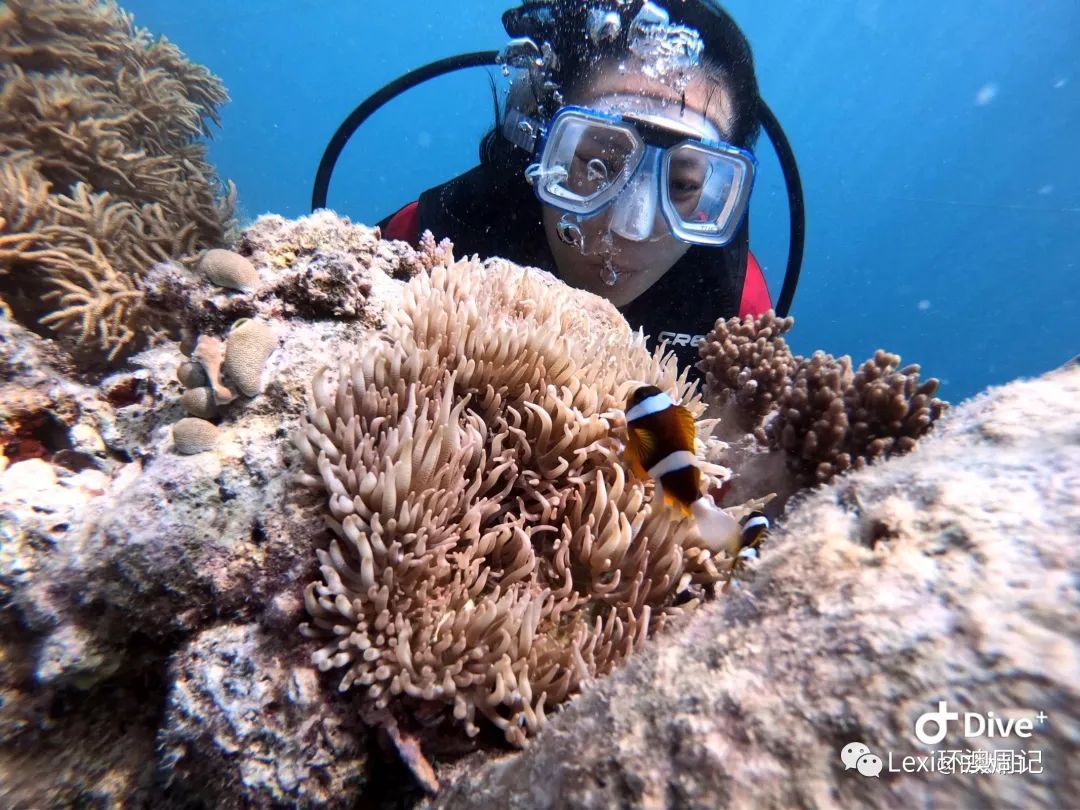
(937, 145)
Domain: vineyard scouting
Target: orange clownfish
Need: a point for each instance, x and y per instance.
(661, 447)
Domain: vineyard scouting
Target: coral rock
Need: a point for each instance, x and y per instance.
(227, 268)
(245, 726)
(191, 375)
(247, 348)
(193, 435)
(199, 402)
(332, 285)
(946, 574)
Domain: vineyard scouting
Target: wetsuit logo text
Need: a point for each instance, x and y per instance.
(682, 339)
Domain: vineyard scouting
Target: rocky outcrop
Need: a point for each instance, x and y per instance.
(150, 602)
(948, 574)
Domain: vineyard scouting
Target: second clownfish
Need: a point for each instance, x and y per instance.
(661, 447)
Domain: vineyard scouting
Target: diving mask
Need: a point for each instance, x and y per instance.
(629, 159)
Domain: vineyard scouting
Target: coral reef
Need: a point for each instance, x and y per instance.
(104, 172)
(150, 602)
(945, 574)
(122, 562)
(825, 417)
(316, 268)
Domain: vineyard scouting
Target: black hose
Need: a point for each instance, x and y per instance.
(796, 210)
(375, 101)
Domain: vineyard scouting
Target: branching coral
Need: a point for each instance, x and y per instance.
(490, 553)
(750, 361)
(825, 416)
(103, 173)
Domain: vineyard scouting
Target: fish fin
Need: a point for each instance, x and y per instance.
(687, 426)
(679, 505)
(683, 509)
(662, 496)
(719, 530)
(638, 448)
(659, 495)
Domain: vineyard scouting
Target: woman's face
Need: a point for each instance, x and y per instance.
(638, 264)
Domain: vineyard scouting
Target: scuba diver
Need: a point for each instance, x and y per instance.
(622, 164)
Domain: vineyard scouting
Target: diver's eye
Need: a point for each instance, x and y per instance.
(684, 189)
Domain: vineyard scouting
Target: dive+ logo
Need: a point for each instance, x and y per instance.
(858, 755)
(931, 727)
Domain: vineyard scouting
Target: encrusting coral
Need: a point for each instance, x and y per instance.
(194, 435)
(491, 554)
(228, 269)
(825, 416)
(247, 348)
(104, 172)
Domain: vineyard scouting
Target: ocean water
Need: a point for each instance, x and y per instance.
(937, 145)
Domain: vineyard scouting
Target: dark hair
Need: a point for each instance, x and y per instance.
(728, 58)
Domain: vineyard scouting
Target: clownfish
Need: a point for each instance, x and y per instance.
(755, 526)
(661, 447)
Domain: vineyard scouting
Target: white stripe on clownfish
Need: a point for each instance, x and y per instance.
(672, 462)
(755, 522)
(647, 407)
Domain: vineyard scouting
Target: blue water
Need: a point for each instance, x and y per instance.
(938, 144)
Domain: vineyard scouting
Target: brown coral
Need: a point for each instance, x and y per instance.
(193, 435)
(749, 360)
(103, 170)
(226, 268)
(826, 417)
(831, 420)
(490, 552)
(248, 346)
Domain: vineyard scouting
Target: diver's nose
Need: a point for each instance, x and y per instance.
(635, 214)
